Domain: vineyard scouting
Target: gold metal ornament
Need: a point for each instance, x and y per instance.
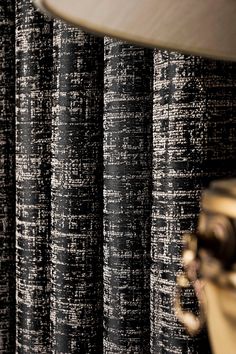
(189, 278)
(192, 323)
(209, 259)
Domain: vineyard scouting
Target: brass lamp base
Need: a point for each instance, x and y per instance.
(209, 259)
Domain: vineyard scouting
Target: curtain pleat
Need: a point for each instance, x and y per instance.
(33, 178)
(127, 197)
(105, 148)
(7, 178)
(76, 192)
(194, 141)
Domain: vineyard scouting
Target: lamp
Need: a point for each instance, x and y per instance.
(199, 27)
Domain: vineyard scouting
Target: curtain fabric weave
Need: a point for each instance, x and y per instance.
(105, 148)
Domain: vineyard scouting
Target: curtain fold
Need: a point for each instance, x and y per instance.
(127, 196)
(7, 178)
(194, 142)
(105, 149)
(76, 192)
(34, 72)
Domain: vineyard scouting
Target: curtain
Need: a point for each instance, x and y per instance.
(105, 148)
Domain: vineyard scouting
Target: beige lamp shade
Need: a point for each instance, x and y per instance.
(201, 27)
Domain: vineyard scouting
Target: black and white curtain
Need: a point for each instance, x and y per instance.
(105, 148)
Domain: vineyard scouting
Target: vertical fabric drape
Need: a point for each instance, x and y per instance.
(127, 197)
(7, 178)
(33, 178)
(105, 149)
(76, 192)
(193, 142)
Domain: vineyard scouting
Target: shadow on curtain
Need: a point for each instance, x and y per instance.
(104, 150)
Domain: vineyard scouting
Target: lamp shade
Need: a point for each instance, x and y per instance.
(201, 27)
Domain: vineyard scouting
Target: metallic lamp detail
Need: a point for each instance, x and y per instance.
(210, 253)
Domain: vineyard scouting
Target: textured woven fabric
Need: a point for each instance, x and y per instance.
(33, 178)
(105, 148)
(127, 197)
(194, 121)
(76, 193)
(7, 178)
